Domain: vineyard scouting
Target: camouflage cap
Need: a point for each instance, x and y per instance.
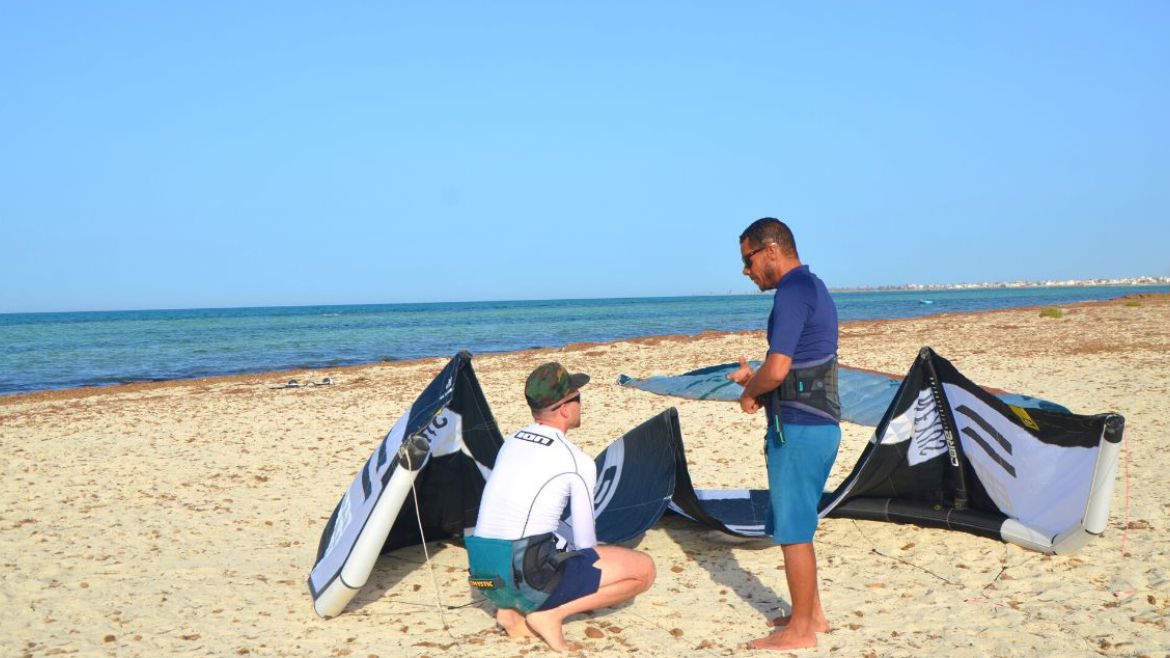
(550, 383)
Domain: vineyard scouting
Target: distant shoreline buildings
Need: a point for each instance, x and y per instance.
(1065, 283)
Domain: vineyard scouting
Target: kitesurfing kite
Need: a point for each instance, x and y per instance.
(946, 453)
(865, 394)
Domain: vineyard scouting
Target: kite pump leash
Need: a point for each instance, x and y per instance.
(427, 555)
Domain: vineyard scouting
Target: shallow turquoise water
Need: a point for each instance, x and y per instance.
(59, 350)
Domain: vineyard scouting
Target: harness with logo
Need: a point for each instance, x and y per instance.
(518, 574)
(811, 387)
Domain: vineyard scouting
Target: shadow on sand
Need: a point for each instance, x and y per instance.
(715, 551)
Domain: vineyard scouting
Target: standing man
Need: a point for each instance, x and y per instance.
(797, 386)
(520, 555)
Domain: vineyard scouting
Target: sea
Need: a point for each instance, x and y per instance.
(43, 351)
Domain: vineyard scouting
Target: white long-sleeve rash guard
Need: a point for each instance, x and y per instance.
(537, 471)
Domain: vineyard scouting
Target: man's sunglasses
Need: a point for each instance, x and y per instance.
(747, 258)
(575, 398)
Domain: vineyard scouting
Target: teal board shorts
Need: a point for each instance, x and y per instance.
(798, 469)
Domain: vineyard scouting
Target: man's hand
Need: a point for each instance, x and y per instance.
(748, 404)
(742, 374)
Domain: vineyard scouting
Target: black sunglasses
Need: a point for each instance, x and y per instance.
(575, 398)
(747, 258)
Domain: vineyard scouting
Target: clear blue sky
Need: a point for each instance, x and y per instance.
(191, 154)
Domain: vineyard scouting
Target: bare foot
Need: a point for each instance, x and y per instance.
(819, 625)
(785, 640)
(513, 623)
(548, 628)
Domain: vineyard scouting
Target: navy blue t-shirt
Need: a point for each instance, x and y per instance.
(802, 325)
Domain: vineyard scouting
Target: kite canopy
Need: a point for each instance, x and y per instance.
(443, 447)
(865, 394)
(949, 454)
(946, 453)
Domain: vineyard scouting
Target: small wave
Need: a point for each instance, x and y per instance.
(127, 380)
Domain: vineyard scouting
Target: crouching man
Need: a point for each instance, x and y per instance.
(520, 554)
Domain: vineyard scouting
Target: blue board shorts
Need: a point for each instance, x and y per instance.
(798, 469)
(579, 578)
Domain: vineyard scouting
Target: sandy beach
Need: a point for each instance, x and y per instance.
(182, 518)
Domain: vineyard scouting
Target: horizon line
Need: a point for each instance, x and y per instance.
(1135, 281)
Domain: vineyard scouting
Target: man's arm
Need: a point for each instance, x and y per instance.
(581, 510)
(764, 380)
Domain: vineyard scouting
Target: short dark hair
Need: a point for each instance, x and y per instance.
(770, 229)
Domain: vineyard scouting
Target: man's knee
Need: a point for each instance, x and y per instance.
(651, 570)
(646, 571)
(627, 564)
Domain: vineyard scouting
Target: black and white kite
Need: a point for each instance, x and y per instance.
(946, 453)
(949, 454)
(443, 448)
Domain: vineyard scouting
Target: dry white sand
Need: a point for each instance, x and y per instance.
(182, 518)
